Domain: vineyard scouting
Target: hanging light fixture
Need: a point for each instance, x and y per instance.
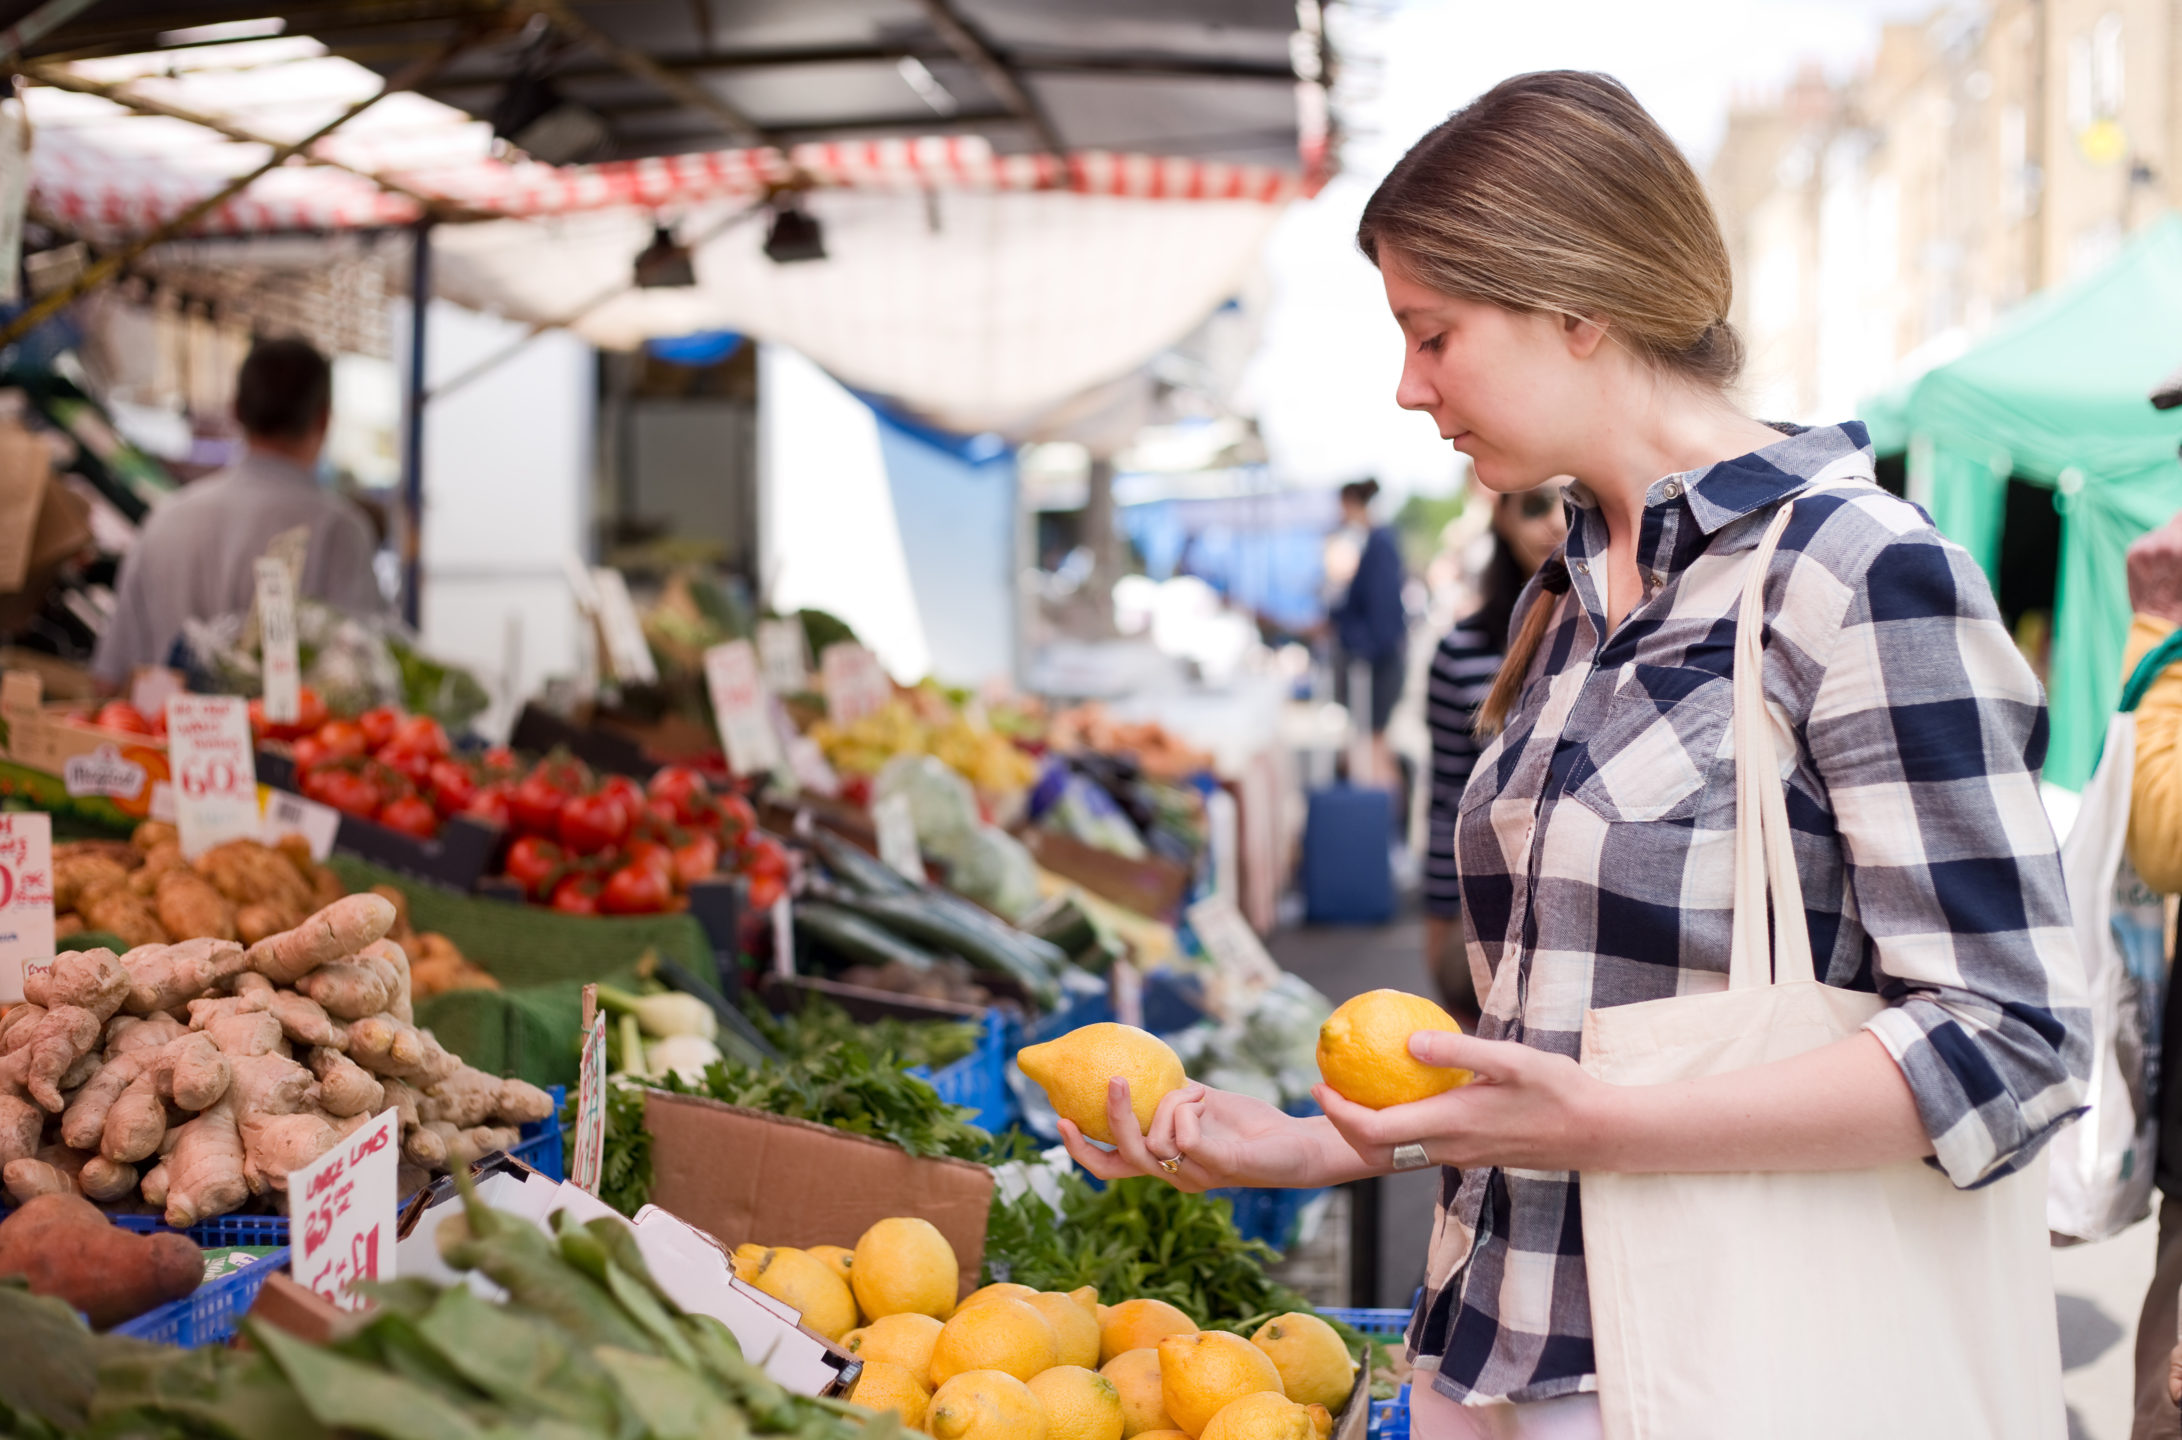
(794, 234)
(664, 264)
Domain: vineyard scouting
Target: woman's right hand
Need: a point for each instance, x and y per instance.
(1222, 1139)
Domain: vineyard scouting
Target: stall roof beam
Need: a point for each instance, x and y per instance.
(111, 264)
(1022, 61)
(134, 34)
(644, 67)
(972, 50)
(38, 24)
(61, 78)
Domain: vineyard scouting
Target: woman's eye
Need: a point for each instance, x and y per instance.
(1431, 346)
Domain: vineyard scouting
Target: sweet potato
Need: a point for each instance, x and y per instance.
(75, 876)
(191, 907)
(260, 921)
(64, 1247)
(149, 835)
(123, 912)
(248, 873)
(341, 929)
(67, 923)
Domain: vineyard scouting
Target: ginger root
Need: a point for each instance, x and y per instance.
(205, 1173)
(191, 906)
(93, 980)
(341, 929)
(26, 1180)
(471, 1097)
(191, 1072)
(305, 1022)
(125, 1033)
(154, 1187)
(348, 989)
(21, 1123)
(392, 964)
(273, 1145)
(63, 1036)
(105, 1180)
(344, 1087)
(164, 976)
(387, 1046)
(123, 912)
(75, 876)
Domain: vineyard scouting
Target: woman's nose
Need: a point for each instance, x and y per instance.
(1414, 391)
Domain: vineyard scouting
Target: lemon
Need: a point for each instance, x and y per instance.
(1135, 1374)
(746, 1260)
(904, 1340)
(839, 1257)
(1321, 1420)
(1315, 1368)
(1135, 1324)
(1088, 1297)
(903, 1266)
(1199, 1374)
(1264, 1415)
(1080, 1404)
(994, 1291)
(806, 1283)
(1002, 1334)
(1075, 1333)
(1363, 1050)
(985, 1405)
(1074, 1069)
(887, 1386)
(1162, 1435)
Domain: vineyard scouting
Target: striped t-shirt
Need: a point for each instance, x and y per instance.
(1462, 672)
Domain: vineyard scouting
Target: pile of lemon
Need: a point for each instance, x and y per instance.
(1013, 1363)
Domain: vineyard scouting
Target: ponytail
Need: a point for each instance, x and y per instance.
(1492, 712)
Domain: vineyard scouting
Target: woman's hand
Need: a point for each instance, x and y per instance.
(1525, 1109)
(1220, 1139)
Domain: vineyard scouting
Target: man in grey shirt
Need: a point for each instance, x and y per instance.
(193, 559)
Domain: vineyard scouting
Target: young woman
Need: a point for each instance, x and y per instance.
(1370, 626)
(1562, 289)
(1527, 528)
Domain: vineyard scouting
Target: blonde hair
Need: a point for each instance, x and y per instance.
(1557, 193)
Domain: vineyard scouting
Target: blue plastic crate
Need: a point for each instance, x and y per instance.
(222, 1230)
(979, 1080)
(1268, 1215)
(1389, 1418)
(1088, 1009)
(542, 1144)
(209, 1315)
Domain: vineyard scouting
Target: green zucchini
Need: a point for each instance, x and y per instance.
(857, 868)
(858, 938)
(916, 918)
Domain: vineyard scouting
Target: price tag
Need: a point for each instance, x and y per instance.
(287, 813)
(26, 899)
(742, 709)
(215, 771)
(786, 654)
(591, 1109)
(784, 937)
(1242, 968)
(341, 1213)
(280, 661)
(627, 652)
(897, 828)
(855, 685)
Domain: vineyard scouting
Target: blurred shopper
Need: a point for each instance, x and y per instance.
(1371, 624)
(2155, 845)
(1526, 528)
(1562, 290)
(193, 559)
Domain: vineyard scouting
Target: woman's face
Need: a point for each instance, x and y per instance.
(1533, 522)
(1509, 389)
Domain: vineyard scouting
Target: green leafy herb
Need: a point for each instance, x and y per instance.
(819, 1024)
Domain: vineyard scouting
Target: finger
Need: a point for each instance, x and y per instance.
(1103, 1163)
(1121, 1121)
(1452, 1050)
(1358, 1125)
(1161, 1136)
(1189, 1130)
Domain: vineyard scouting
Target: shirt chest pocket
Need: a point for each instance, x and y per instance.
(1660, 745)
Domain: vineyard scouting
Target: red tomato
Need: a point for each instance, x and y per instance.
(414, 765)
(738, 822)
(307, 752)
(534, 863)
(696, 859)
(535, 803)
(576, 895)
(591, 823)
(410, 814)
(764, 856)
(501, 760)
(624, 792)
(682, 788)
(310, 711)
(636, 888)
(653, 855)
(346, 788)
(342, 737)
(121, 715)
(451, 786)
(490, 804)
(420, 733)
(661, 812)
(378, 725)
(765, 891)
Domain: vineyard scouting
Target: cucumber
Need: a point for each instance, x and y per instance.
(858, 869)
(857, 938)
(1038, 950)
(916, 918)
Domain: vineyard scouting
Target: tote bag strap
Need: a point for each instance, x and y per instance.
(1764, 851)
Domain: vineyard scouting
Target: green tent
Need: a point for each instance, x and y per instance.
(2059, 395)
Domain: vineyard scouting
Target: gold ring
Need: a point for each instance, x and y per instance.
(1172, 1167)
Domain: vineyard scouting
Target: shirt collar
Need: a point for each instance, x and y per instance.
(1730, 489)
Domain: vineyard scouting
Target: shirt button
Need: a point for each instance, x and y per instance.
(1673, 490)
(1583, 567)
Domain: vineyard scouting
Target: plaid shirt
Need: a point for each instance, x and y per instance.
(1929, 869)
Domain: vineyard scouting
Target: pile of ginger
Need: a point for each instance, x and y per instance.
(199, 1074)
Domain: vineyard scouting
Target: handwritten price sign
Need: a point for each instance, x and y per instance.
(26, 899)
(742, 709)
(341, 1212)
(215, 770)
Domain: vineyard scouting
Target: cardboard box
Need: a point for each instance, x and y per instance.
(1152, 886)
(113, 776)
(745, 1176)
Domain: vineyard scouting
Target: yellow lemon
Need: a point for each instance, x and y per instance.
(1263, 1415)
(1074, 1069)
(806, 1283)
(1201, 1374)
(1321, 1420)
(746, 1260)
(838, 1256)
(1075, 1333)
(1162, 1435)
(985, 1405)
(994, 1291)
(1080, 1404)
(1088, 1297)
(1363, 1050)
(887, 1386)
(1315, 1368)
(905, 1266)
(1135, 1324)
(1002, 1334)
(904, 1340)
(1135, 1374)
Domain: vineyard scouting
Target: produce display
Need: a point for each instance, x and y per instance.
(64, 1246)
(583, 1345)
(397, 769)
(927, 720)
(354, 663)
(1091, 728)
(818, 1024)
(587, 846)
(198, 1074)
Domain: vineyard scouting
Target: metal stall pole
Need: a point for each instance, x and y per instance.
(420, 299)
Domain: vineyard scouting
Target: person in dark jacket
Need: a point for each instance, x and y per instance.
(1371, 624)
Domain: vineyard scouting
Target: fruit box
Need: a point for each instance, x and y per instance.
(63, 765)
(745, 1176)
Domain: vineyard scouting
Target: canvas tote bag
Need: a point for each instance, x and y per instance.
(1849, 1305)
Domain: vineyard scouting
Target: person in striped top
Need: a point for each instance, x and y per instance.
(1526, 528)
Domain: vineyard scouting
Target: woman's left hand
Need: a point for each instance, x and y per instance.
(1525, 1109)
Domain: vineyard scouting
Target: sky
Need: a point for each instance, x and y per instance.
(1322, 383)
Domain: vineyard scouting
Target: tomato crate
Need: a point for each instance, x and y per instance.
(979, 1080)
(1389, 1418)
(209, 1315)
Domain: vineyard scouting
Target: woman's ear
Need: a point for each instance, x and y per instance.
(1584, 334)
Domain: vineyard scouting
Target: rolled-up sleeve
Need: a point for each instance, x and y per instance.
(1928, 731)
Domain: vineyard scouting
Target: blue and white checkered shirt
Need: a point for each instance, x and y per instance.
(1594, 844)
